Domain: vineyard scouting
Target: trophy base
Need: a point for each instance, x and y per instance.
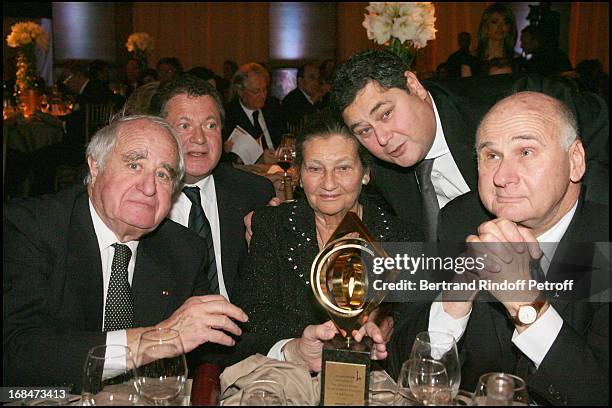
(345, 376)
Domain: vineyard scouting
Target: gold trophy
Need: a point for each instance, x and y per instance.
(339, 280)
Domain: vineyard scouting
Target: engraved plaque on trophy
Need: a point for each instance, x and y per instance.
(339, 281)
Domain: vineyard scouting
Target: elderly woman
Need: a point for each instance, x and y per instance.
(275, 289)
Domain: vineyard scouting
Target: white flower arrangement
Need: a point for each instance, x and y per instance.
(403, 27)
(142, 42)
(26, 33)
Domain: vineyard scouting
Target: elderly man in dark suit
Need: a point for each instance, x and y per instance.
(103, 265)
(253, 111)
(530, 164)
(194, 109)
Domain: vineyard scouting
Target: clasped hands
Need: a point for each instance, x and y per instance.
(506, 250)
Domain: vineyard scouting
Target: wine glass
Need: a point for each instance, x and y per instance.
(109, 377)
(263, 393)
(421, 379)
(440, 347)
(285, 155)
(501, 389)
(44, 103)
(162, 366)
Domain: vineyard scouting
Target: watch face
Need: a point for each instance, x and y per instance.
(527, 314)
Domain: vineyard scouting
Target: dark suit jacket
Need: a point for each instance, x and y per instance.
(575, 369)
(398, 185)
(238, 193)
(52, 285)
(296, 107)
(235, 116)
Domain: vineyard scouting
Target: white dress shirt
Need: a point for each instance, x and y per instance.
(106, 238)
(180, 213)
(538, 338)
(262, 123)
(445, 175)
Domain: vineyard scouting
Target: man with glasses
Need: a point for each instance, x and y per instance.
(252, 111)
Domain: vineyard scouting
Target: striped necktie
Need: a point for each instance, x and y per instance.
(199, 223)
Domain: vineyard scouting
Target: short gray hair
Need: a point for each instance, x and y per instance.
(105, 139)
(243, 72)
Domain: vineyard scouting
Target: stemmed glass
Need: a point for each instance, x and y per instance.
(285, 155)
(501, 389)
(162, 366)
(440, 347)
(425, 378)
(263, 393)
(110, 377)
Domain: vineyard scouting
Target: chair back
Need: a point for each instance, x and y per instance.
(96, 117)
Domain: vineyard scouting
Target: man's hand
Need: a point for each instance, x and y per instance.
(308, 349)
(509, 250)
(203, 319)
(268, 157)
(379, 348)
(247, 219)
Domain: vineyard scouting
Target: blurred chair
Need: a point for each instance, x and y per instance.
(96, 117)
(66, 176)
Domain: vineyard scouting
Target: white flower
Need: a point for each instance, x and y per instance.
(140, 42)
(378, 28)
(408, 22)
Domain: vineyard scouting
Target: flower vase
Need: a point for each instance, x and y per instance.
(28, 101)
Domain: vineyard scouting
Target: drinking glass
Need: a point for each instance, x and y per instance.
(109, 377)
(440, 347)
(421, 379)
(501, 389)
(162, 366)
(263, 393)
(285, 155)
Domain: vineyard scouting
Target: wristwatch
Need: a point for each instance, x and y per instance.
(527, 314)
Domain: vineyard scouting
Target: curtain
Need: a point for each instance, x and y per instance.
(205, 34)
(589, 33)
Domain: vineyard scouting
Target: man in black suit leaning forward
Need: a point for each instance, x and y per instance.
(418, 135)
(195, 111)
(530, 166)
(100, 266)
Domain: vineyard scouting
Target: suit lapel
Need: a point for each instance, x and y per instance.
(153, 282)
(84, 265)
(228, 225)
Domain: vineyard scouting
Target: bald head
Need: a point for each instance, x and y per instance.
(535, 104)
(530, 162)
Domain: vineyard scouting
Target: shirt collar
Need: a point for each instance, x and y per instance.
(306, 96)
(439, 146)
(202, 184)
(106, 237)
(553, 235)
(246, 110)
(84, 85)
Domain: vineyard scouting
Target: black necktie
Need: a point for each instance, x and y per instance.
(429, 198)
(258, 130)
(199, 223)
(119, 310)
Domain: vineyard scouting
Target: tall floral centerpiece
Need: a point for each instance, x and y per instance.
(26, 37)
(402, 27)
(140, 44)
